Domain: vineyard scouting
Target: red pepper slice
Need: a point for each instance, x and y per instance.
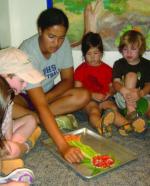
(102, 161)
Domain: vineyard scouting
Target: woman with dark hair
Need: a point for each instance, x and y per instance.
(50, 53)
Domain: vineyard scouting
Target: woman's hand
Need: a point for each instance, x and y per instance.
(72, 154)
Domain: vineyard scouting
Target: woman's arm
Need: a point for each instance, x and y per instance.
(39, 101)
(61, 87)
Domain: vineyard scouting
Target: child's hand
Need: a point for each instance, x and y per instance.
(124, 91)
(136, 94)
(133, 96)
(72, 154)
(98, 96)
(130, 101)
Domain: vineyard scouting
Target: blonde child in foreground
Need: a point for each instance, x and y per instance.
(16, 136)
(96, 76)
(131, 78)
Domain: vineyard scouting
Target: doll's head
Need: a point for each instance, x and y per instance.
(92, 48)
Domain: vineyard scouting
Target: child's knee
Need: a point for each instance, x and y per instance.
(131, 75)
(32, 121)
(131, 78)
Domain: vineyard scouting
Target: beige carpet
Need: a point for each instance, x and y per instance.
(49, 171)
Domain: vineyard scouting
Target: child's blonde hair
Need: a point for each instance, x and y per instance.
(4, 93)
(132, 37)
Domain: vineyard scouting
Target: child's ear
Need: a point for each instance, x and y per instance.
(39, 31)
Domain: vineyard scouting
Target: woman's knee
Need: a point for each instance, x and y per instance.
(82, 97)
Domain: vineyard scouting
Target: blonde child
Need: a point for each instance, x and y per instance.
(131, 79)
(16, 136)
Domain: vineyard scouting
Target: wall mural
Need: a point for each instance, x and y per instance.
(110, 18)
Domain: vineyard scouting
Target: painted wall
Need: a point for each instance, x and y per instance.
(110, 18)
(18, 20)
(4, 24)
(109, 57)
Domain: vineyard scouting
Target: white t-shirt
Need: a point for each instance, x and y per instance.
(51, 67)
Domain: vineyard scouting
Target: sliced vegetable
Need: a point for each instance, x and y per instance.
(102, 161)
(86, 150)
(93, 160)
(71, 137)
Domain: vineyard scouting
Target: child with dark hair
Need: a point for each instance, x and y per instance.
(131, 79)
(96, 77)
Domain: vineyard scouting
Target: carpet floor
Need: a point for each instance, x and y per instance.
(49, 171)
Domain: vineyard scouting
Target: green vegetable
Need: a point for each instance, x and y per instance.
(86, 150)
(89, 153)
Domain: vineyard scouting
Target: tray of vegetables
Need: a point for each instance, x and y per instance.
(100, 154)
